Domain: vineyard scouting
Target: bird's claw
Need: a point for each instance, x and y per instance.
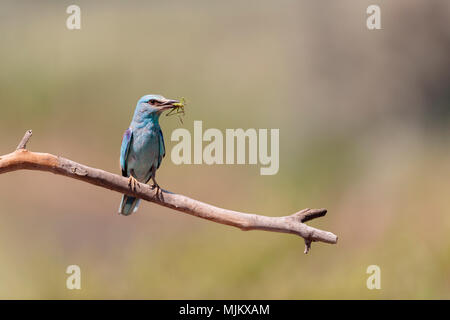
(132, 183)
(158, 193)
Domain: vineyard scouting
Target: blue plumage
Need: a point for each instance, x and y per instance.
(142, 148)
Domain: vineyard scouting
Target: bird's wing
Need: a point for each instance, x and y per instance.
(162, 148)
(124, 149)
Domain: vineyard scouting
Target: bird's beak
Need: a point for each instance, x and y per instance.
(168, 104)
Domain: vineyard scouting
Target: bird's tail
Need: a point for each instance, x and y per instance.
(128, 205)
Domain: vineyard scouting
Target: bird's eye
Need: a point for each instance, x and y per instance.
(152, 101)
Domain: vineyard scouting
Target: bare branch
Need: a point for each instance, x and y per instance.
(22, 159)
(307, 246)
(309, 214)
(23, 142)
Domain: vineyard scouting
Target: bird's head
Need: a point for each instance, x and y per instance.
(154, 104)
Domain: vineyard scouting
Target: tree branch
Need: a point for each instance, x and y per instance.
(22, 159)
(24, 141)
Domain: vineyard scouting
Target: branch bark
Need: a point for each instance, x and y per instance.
(22, 159)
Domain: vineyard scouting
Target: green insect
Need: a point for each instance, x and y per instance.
(178, 110)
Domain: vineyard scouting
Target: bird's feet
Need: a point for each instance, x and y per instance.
(133, 183)
(156, 186)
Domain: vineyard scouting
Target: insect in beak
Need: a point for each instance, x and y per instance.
(177, 108)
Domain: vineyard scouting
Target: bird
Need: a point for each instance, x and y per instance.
(143, 149)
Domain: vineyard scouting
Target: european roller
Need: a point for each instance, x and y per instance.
(143, 147)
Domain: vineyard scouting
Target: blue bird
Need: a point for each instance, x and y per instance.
(142, 147)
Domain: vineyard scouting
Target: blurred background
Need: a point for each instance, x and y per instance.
(364, 131)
